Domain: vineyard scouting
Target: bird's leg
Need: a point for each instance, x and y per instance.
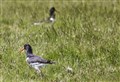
(39, 71)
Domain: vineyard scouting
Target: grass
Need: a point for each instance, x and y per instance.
(85, 36)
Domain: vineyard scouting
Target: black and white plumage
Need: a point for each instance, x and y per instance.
(35, 61)
(51, 17)
(52, 14)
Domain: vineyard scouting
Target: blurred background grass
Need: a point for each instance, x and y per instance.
(85, 37)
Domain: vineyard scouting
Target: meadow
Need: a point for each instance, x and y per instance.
(84, 37)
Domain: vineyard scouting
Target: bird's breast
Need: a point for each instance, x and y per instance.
(27, 58)
(52, 19)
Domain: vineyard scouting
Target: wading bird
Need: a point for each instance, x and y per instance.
(51, 17)
(52, 14)
(35, 61)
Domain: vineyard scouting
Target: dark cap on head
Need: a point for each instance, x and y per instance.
(28, 48)
(52, 10)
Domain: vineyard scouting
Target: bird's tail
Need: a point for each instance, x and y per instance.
(51, 62)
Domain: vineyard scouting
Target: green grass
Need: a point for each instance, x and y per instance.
(88, 41)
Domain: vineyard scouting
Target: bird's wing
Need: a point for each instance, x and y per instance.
(38, 59)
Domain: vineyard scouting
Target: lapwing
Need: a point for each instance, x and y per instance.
(52, 14)
(34, 61)
(50, 19)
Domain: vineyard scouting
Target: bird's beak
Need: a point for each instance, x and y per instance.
(22, 49)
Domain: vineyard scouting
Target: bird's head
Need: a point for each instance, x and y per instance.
(27, 47)
(52, 9)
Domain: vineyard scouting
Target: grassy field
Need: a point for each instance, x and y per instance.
(85, 37)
